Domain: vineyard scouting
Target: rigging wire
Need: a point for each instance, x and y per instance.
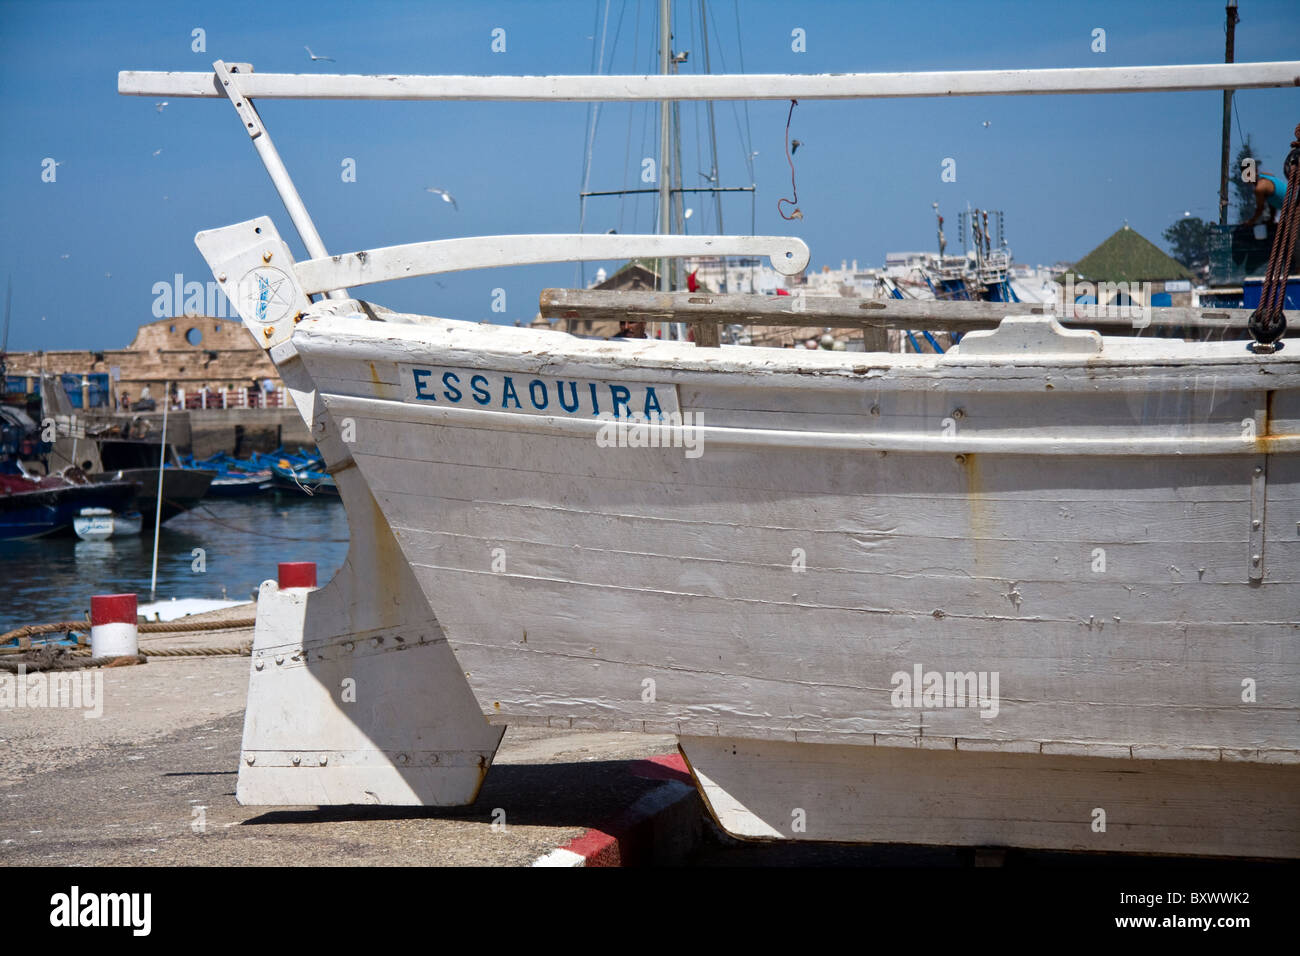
(631, 110)
(695, 111)
(713, 127)
(744, 134)
(646, 120)
(749, 137)
(593, 121)
(796, 214)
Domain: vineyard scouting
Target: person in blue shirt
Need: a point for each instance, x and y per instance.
(1270, 193)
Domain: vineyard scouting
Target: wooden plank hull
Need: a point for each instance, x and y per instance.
(763, 790)
(1107, 542)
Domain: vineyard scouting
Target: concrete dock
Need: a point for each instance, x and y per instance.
(152, 782)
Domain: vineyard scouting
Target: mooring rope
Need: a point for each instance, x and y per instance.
(64, 658)
(1268, 322)
(57, 659)
(144, 627)
(265, 534)
(237, 650)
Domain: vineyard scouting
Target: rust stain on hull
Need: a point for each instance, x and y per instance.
(1266, 440)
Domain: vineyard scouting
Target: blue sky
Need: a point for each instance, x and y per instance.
(1067, 171)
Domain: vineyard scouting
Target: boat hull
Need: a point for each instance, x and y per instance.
(101, 527)
(182, 489)
(239, 486)
(773, 586)
(1040, 554)
(42, 511)
(767, 790)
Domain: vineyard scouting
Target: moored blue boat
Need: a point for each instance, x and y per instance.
(30, 507)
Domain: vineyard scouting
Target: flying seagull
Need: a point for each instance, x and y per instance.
(794, 146)
(446, 196)
(314, 57)
(987, 124)
(65, 255)
(160, 106)
(157, 151)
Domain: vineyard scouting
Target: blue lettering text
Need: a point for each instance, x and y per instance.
(451, 392)
(420, 374)
(652, 402)
(574, 390)
(620, 394)
(508, 393)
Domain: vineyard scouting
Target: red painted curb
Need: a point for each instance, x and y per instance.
(296, 574)
(663, 767)
(629, 838)
(112, 609)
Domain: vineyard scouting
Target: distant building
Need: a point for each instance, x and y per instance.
(736, 275)
(636, 275)
(198, 354)
(901, 263)
(1130, 258)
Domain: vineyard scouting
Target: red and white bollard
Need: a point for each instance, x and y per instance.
(113, 627)
(296, 574)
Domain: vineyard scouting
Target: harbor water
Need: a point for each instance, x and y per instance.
(225, 548)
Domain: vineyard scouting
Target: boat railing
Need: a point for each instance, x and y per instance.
(274, 291)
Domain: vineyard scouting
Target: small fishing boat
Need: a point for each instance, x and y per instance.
(232, 477)
(1022, 593)
(303, 481)
(34, 507)
(240, 484)
(302, 475)
(182, 488)
(177, 608)
(100, 524)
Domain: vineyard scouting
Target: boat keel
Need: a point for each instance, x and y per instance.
(354, 695)
(772, 790)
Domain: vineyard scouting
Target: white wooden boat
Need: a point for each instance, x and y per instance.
(100, 524)
(1039, 591)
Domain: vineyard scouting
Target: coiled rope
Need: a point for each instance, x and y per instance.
(33, 659)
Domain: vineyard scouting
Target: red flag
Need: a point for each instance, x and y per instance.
(692, 284)
(782, 291)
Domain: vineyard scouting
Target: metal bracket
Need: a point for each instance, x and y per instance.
(243, 105)
(1258, 500)
(255, 270)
